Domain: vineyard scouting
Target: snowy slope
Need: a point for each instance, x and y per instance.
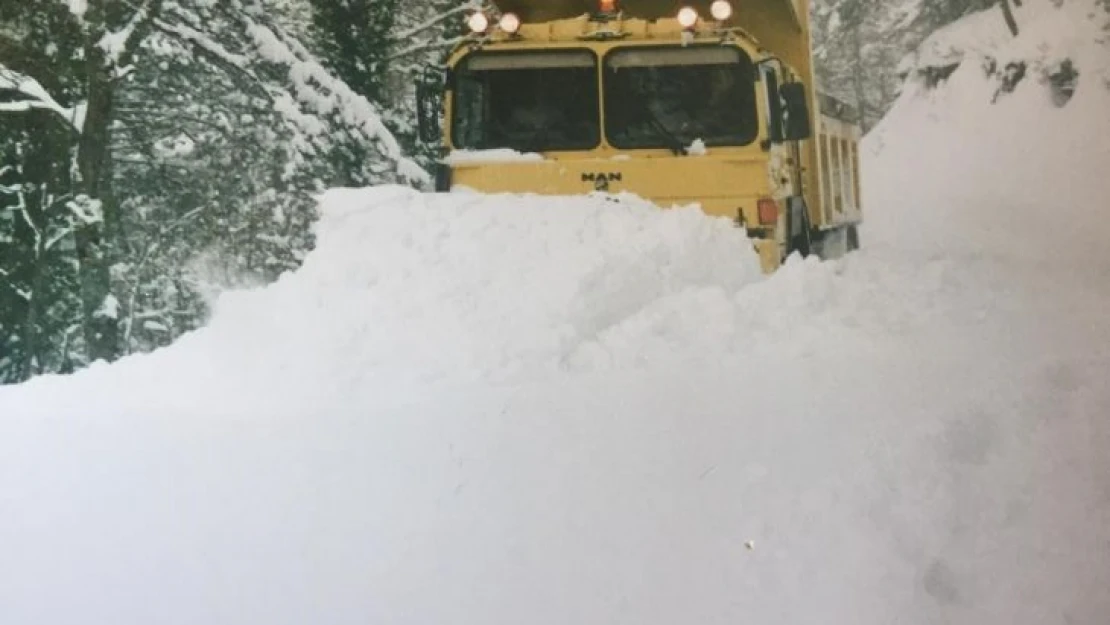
(1004, 177)
(475, 409)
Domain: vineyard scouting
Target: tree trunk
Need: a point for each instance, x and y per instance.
(31, 356)
(93, 242)
(1008, 15)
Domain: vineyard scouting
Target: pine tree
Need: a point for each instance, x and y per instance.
(382, 47)
(184, 141)
(78, 50)
(354, 39)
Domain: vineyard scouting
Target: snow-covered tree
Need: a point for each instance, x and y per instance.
(185, 138)
(381, 47)
(861, 45)
(67, 58)
(38, 216)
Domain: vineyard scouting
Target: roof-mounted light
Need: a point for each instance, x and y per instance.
(509, 23)
(607, 6)
(721, 10)
(687, 17)
(477, 22)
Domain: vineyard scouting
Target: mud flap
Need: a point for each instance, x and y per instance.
(770, 254)
(442, 177)
(797, 227)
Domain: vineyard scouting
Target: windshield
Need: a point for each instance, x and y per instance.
(527, 101)
(668, 97)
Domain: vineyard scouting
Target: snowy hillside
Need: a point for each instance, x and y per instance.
(468, 409)
(1016, 175)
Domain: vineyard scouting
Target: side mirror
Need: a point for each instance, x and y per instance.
(429, 94)
(796, 113)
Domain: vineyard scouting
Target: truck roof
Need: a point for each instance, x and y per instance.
(547, 10)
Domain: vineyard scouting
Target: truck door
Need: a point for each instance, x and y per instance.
(784, 165)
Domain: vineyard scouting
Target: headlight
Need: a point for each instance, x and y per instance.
(687, 17)
(721, 10)
(509, 23)
(477, 22)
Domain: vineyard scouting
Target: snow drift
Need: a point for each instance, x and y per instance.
(509, 409)
(1009, 167)
(411, 288)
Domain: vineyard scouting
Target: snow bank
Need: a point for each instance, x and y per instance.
(1013, 176)
(412, 290)
(421, 288)
(497, 155)
(506, 409)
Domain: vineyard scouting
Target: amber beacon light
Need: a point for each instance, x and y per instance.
(607, 6)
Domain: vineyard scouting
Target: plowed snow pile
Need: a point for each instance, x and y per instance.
(478, 410)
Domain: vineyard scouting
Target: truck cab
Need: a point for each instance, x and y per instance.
(678, 107)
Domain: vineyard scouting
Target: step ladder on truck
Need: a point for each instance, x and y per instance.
(706, 102)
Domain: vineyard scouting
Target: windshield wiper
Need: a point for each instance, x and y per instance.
(673, 142)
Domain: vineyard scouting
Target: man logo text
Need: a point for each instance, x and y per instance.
(601, 179)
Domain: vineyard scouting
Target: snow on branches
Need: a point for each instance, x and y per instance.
(32, 95)
(326, 95)
(146, 136)
(237, 37)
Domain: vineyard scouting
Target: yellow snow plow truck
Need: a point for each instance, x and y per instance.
(707, 102)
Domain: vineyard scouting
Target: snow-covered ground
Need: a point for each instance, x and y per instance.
(469, 409)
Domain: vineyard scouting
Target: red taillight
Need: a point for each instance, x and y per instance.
(768, 210)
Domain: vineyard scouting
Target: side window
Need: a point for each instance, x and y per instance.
(470, 110)
(774, 102)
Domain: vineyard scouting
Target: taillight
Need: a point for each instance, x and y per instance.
(768, 210)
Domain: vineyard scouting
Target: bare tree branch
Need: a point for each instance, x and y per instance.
(213, 51)
(408, 33)
(37, 97)
(1008, 15)
(424, 47)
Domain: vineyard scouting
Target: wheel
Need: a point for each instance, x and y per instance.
(830, 244)
(836, 242)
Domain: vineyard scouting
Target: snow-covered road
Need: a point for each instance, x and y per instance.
(568, 410)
